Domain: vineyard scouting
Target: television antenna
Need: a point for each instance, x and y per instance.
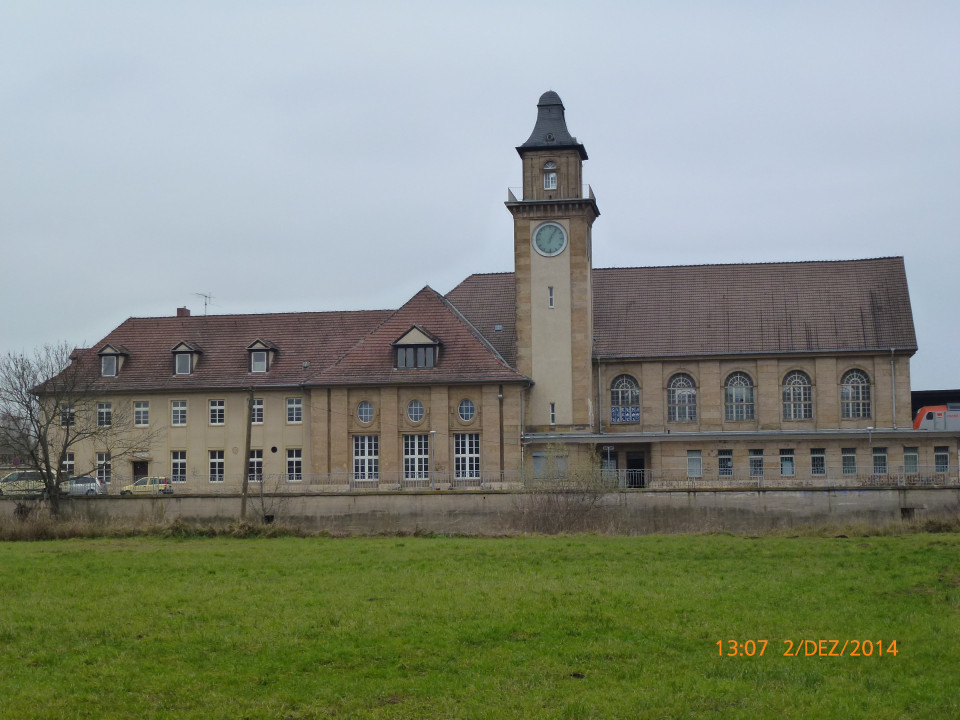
(207, 300)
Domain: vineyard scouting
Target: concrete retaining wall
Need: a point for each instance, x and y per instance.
(495, 513)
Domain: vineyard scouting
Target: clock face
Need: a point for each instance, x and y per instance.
(549, 239)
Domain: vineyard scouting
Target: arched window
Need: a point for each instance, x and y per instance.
(550, 175)
(797, 396)
(681, 399)
(624, 400)
(855, 395)
(738, 397)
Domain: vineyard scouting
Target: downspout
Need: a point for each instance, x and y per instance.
(599, 399)
(893, 389)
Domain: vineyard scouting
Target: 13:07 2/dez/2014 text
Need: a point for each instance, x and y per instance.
(809, 648)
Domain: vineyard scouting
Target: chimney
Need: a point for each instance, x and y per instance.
(183, 312)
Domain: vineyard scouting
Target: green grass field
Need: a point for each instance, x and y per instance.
(533, 627)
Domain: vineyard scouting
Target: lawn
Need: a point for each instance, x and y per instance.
(531, 627)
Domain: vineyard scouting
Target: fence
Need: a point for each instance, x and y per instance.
(603, 480)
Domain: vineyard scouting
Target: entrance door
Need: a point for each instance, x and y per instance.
(636, 467)
(139, 469)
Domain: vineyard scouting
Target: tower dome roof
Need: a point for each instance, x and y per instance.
(550, 130)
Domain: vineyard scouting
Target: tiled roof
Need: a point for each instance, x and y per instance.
(464, 356)
(316, 338)
(489, 301)
(747, 309)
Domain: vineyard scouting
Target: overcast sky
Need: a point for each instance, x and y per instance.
(286, 156)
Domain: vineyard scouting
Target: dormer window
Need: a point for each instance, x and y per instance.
(111, 359)
(417, 348)
(262, 353)
(185, 356)
(550, 175)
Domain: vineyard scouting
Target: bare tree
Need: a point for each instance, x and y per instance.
(48, 408)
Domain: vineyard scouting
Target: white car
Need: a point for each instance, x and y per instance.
(84, 485)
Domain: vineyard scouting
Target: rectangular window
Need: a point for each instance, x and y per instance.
(178, 413)
(756, 463)
(880, 461)
(550, 298)
(183, 363)
(694, 464)
(218, 412)
(725, 463)
(416, 457)
(941, 459)
(466, 455)
(911, 460)
(294, 465)
(294, 410)
(104, 414)
(108, 365)
(553, 413)
(178, 466)
(216, 466)
(416, 356)
(818, 461)
(849, 457)
(68, 465)
(68, 415)
(255, 466)
(787, 464)
(141, 413)
(256, 411)
(258, 361)
(366, 457)
(550, 181)
(103, 467)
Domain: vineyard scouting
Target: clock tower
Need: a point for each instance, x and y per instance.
(552, 226)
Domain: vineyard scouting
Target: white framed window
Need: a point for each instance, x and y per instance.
(416, 356)
(415, 411)
(258, 361)
(553, 413)
(178, 413)
(68, 416)
(294, 410)
(104, 414)
(365, 412)
(624, 400)
(108, 365)
(551, 300)
(725, 463)
(466, 455)
(218, 412)
(104, 468)
(694, 463)
(681, 399)
(787, 463)
(256, 411)
(216, 466)
(466, 410)
(911, 460)
(178, 466)
(738, 397)
(294, 465)
(416, 457)
(879, 461)
(855, 395)
(141, 413)
(550, 175)
(848, 457)
(255, 466)
(797, 396)
(366, 457)
(941, 458)
(818, 461)
(183, 363)
(68, 465)
(756, 463)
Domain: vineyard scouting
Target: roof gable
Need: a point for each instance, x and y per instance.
(416, 336)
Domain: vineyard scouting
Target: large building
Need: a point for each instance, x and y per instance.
(776, 373)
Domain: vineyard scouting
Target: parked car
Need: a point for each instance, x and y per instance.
(84, 485)
(23, 483)
(149, 486)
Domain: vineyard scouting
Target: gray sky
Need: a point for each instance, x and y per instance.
(288, 156)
